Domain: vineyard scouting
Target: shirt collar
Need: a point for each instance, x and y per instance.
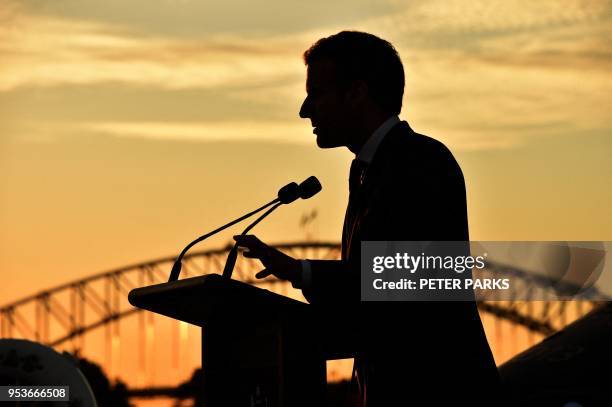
(371, 145)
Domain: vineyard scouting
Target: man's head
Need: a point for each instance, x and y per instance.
(354, 80)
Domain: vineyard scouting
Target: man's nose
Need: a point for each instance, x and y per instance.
(305, 109)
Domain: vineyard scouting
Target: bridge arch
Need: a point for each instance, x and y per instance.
(63, 316)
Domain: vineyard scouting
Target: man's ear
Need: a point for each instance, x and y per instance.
(357, 93)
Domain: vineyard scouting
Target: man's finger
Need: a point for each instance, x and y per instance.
(263, 273)
(253, 254)
(250, 241)
(247, 238)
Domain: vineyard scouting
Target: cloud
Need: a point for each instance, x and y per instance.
(44, 50)
(39, 50)
(194, 18)
(474, 70)
(442, 17)
(496, 74)
(291, 132)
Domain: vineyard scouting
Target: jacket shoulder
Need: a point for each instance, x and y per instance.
(407, 147)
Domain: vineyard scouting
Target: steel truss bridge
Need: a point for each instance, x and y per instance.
(66, 316)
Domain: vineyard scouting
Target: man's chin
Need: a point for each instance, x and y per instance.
(325, 142)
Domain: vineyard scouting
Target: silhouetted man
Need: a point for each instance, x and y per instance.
(403, 186)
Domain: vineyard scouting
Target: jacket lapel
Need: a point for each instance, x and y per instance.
(359, 198)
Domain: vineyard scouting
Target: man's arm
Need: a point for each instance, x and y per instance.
(330, 281)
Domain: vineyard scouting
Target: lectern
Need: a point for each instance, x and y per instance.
(259, 349)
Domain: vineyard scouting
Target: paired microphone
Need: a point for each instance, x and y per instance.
(292, 191)
(287, 194)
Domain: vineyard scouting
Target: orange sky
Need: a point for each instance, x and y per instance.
(129, 128)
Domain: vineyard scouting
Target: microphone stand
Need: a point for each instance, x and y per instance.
(176, 268)
(286, 195)
(233, 254)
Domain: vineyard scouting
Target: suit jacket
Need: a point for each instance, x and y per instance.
(413, 190)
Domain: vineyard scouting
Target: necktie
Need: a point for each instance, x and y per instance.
(355, 177)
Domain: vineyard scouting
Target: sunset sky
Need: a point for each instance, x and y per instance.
(127, 128)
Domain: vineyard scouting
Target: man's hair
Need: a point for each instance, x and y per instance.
(362, 56)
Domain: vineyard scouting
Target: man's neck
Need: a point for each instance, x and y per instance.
(369, 126)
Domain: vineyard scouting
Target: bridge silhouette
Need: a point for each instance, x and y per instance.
(66, 316)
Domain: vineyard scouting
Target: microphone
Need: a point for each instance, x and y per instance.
(285, 195)
(307, 189)
(289, 193)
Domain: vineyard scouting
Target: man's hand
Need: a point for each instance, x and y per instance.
(275, 262)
